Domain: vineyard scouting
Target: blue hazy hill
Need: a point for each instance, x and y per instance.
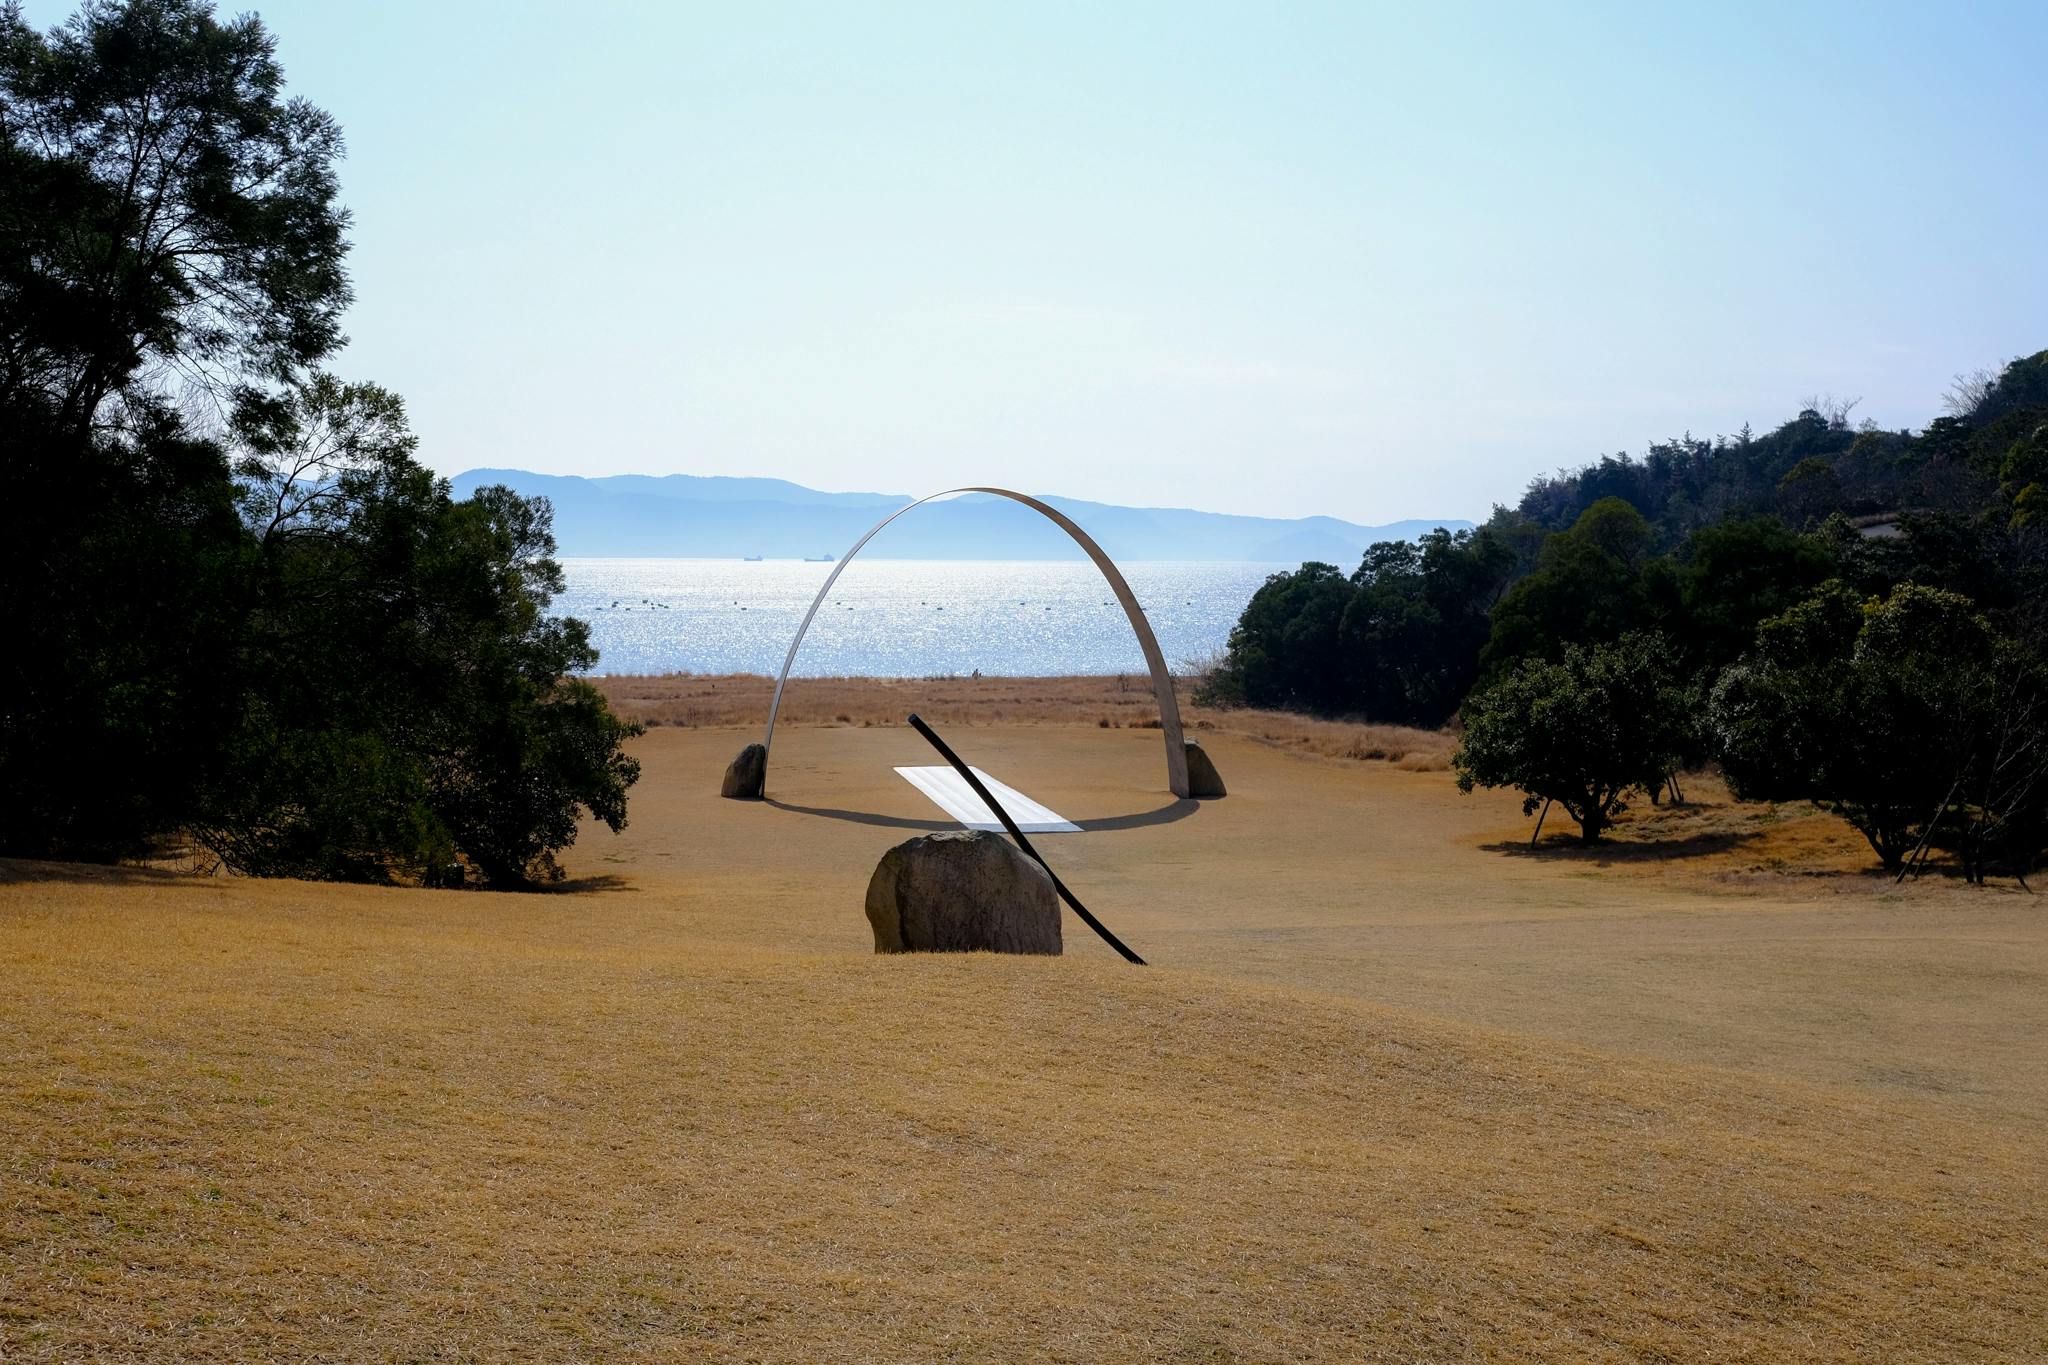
(724, 518)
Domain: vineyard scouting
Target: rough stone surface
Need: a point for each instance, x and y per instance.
(747, 775)
(962, 892)
(1204, 782)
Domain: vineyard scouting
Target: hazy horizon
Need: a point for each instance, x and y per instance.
(899, 493)
(1322, 259)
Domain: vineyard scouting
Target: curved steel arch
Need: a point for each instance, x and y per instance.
(1162, 681)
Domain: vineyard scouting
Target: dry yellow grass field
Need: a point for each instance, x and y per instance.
(1393, 1088)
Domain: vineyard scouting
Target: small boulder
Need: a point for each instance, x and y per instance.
(960, 892)
(1204, 782)
(747, 777)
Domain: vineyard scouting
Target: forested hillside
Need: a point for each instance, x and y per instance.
(1836, 613)
(1813, 466)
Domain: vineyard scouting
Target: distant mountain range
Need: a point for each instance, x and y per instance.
(629, 515)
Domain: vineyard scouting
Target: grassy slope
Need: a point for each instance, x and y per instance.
(1649, 1112)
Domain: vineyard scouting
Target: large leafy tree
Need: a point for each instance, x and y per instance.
(169, 214)
(1733, 576)
(243, 608)
(404, 666)
(1286, 650)
(1418, 620)
(1879, 710)
(1397, 641)
(167, 233)
(2023, 477)
(126, 582)
(1593, 583)
(1581, 731)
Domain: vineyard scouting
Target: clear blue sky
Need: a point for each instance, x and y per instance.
(1376, 261)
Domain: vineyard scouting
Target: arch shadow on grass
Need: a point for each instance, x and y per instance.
(1180, 808)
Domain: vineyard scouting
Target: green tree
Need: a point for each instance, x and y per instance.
(1810, 491)
(169, 211)
(1286, 650)
(2023, 477)
(1998, 814)
(127, 577)
(312, 655)
(413, 715)
(1874, 709)
(1581, 731)
(165, 217)
(1412, 632)
(1591, 585)
(1733, 576)
(1398, 641)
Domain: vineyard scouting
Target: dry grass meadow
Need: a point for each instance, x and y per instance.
(1394, 1088)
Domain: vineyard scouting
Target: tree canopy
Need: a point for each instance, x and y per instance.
(245, 613)
(1880, 710)
(169, 211)
(1580, 731)
(1723, 556)
(1590, 586)
(1398, 640)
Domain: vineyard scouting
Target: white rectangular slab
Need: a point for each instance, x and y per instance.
(951, 794)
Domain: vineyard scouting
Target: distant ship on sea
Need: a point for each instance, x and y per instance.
(817, 559)
(753, 559)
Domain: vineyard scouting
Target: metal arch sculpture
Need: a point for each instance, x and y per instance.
(1162, 681)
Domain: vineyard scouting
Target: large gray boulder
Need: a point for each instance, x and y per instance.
(962, 892)
(1204, 782)
(747, 776)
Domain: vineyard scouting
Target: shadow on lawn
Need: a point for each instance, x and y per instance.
(862, 817)
(30, 870)
(1179, 809)
(1566, 846)
(597, 883)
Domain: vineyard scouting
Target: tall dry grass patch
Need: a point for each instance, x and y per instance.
(739, 700)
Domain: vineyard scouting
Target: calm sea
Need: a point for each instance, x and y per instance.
(898, 618)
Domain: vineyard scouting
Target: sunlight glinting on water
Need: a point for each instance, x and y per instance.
(898, 617)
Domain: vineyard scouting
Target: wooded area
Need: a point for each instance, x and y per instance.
(1837, 614)
(243, 611)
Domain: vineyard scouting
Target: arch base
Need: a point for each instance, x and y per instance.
(746, 778)
(1204, 782)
